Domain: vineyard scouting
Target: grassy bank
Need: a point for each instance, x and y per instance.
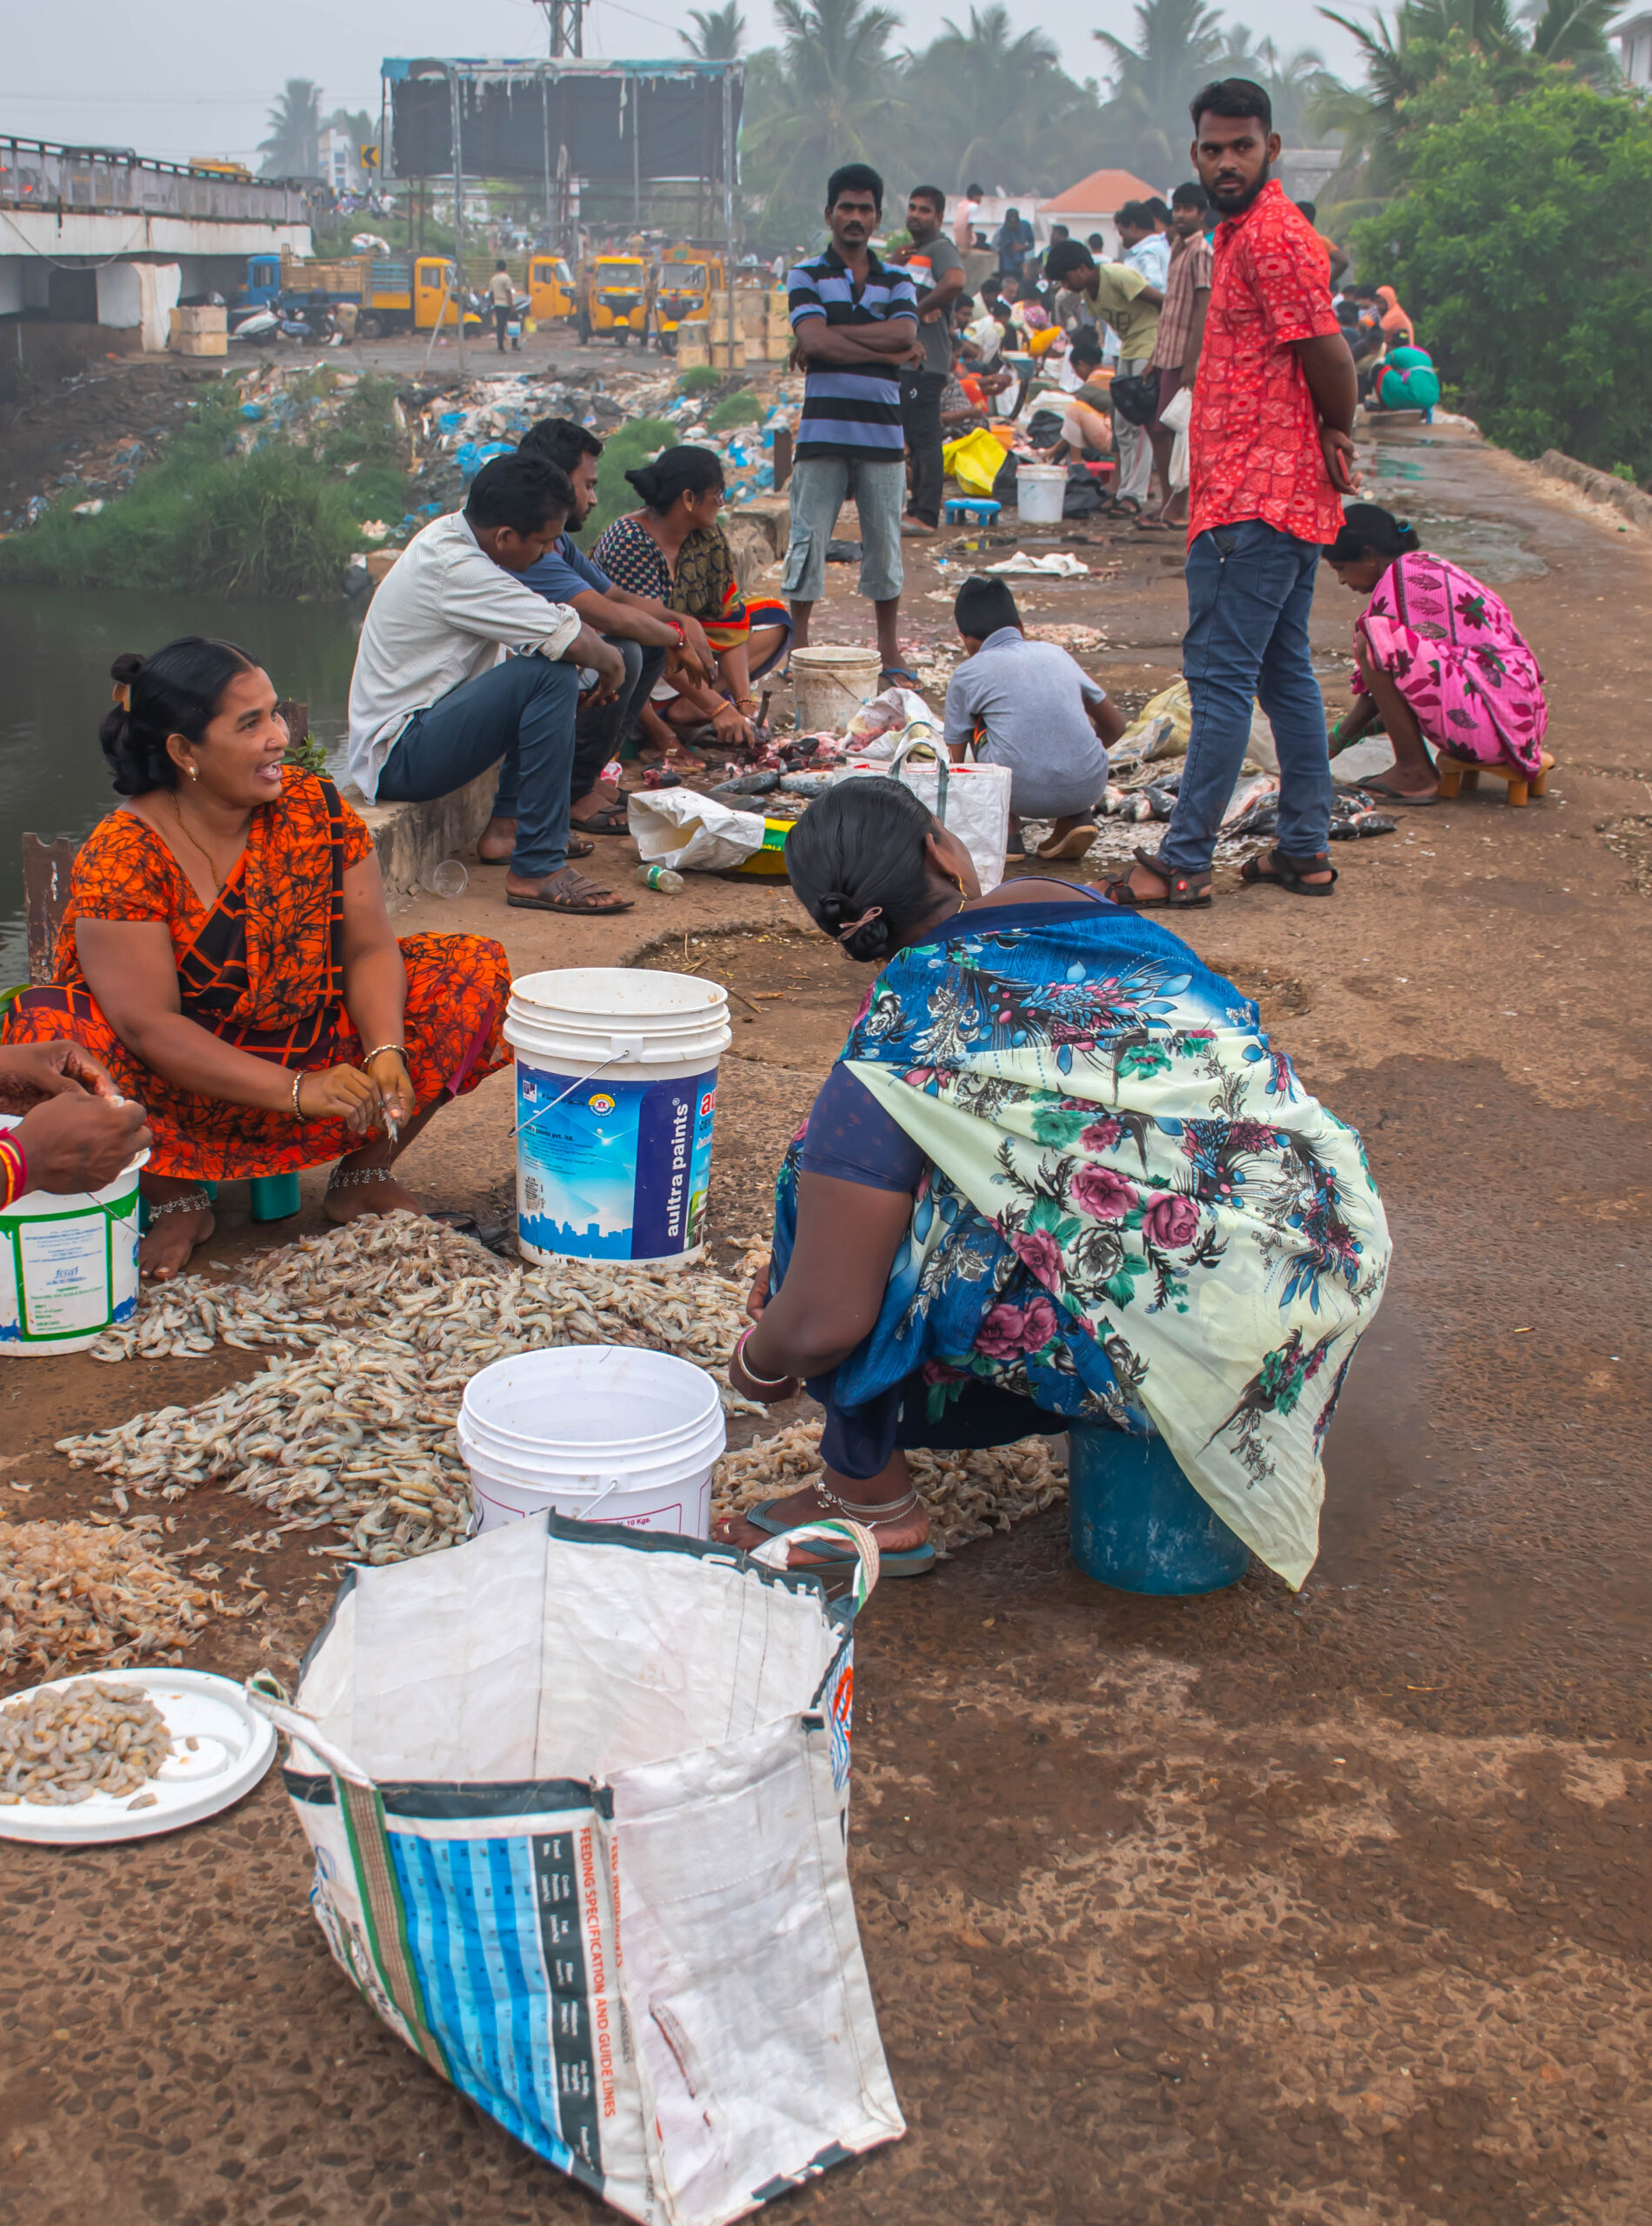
(268, 506)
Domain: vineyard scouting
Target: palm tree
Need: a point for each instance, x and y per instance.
(997, 104)
(719, 33)
(1574, 31)
(295, 126)
(1177, 42)
(822, 105)
(1294, 83)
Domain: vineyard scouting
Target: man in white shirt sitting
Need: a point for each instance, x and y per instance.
(434, 701)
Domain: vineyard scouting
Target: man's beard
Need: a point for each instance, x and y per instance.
(1236, 205)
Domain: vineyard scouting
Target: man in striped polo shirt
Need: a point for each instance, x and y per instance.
(856, 325)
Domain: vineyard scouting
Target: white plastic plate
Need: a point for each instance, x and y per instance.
(234, 1747)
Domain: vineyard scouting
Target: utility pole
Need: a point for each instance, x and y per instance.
(565, 19)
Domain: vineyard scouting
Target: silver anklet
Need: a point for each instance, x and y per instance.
(343, 1178)
(875, 1510)
(191, 1201)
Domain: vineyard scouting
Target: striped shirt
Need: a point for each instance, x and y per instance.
(850, 409)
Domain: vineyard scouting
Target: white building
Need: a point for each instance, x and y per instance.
(1633, 31)
(340, 161)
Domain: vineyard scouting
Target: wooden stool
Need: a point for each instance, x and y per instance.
(1455, 775)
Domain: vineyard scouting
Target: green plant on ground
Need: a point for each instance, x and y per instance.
(1558, 181)
(1625, 472)
(279, 521)
(734, 409)
(699, 378)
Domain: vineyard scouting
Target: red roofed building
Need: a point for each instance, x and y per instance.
(1090, 206)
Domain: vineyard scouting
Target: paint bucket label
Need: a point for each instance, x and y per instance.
(67, 1277)
(612, 1169)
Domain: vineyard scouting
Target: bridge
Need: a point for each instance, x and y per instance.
(78, 225)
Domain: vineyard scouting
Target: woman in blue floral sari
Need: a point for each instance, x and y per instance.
(1057, 1172)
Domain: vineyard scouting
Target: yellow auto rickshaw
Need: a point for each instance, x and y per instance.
(551, 292)
(613, 299)
(680, 291)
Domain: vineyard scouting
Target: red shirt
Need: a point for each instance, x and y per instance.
(1253, 446)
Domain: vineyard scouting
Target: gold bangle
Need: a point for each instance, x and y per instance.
(400, 1050)
(299, 1113)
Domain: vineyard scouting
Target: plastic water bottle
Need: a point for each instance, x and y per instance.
(666, 879)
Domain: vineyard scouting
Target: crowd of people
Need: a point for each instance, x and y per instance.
(228, 992)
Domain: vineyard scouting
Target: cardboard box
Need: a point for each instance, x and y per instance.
(200, 343)
(212, 318)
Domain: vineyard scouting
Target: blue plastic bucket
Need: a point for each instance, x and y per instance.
(1136, 1523)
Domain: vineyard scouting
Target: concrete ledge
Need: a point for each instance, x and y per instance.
(410, 838)
(1599, 486)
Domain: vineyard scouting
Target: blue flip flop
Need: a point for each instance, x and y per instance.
(918, 1561)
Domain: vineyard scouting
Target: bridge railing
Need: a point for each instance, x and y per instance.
(36, 173)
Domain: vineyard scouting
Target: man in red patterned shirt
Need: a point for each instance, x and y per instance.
(1270, 457)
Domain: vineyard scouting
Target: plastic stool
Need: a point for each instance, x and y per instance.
(965, 509)
(275, 1198)
(1136, 1523)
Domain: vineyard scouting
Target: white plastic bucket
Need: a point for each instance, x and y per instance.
(829, 684)
(617, 1095)
(602, 1433)
(68, 1264)
(1040, 489)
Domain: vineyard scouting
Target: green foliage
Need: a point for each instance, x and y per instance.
(1178, 45)
(736, 409)
(719, 34)
(280, 521)
(824, 99)
(295, 126)
(1625, 472)
(699, 378)
(1557, 183)
(635, 444)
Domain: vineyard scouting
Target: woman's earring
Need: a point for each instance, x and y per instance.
(195, 775)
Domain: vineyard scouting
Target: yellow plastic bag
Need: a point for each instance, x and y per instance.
(975, 461)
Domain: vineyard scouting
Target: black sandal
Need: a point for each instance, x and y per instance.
(1289, 873)
(1183, 893)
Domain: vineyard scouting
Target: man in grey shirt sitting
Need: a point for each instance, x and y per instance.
(1031, 707)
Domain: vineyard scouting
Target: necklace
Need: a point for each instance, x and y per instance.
(177, 812)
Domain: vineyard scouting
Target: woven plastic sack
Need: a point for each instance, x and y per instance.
(971, 801)
(577, 1797)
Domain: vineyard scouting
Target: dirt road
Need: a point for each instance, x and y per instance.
(1325, 1908)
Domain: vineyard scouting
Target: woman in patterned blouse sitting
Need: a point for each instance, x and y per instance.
(674, 548)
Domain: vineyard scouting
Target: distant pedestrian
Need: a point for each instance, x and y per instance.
(856, 322)
(1269, 452)
(1181, 334)
(1145, 247)
(1014, 242)
(502, 294)
(936, 270)
(963, 216)
(1131, 306)
(1335, 256)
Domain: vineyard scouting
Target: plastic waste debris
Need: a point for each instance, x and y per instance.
(665, 879)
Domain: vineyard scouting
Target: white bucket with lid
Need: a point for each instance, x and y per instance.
(1040, 489)
(617, 1095)
(829, 683)
(67, 1263)
(600, 1433)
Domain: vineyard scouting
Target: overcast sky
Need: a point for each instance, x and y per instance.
(176, 78)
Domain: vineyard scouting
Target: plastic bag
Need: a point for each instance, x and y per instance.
(975, 461)
(872, 730)
(504, 1753)
(695, 833)
(972, 801)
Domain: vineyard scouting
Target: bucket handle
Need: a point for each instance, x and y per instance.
(834, 1531)
(578, 1081)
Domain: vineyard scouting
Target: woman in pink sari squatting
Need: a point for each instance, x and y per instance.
(1441, 661)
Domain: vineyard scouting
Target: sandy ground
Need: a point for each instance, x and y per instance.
(1326, 1910)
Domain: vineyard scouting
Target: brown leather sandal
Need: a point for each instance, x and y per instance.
(573, 893)
(1183, 893)
(1289, 873)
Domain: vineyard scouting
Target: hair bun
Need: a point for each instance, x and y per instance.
(126, 668)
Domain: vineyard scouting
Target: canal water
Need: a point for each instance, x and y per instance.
(56, 645)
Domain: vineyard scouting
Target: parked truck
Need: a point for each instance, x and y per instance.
(388, 293)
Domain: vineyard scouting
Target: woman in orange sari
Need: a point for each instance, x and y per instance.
(227, 953)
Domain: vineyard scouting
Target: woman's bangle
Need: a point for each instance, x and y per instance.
(14, 1171)
(763, 1383)
(400, 1050)
(299, 1075)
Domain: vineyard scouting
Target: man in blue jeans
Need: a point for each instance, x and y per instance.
(1270, 457)
(435, 701)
